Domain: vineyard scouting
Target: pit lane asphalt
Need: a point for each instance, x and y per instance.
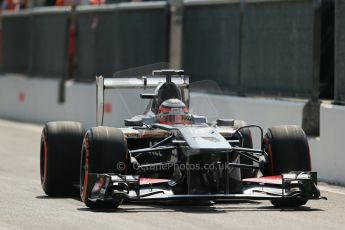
(23, 205)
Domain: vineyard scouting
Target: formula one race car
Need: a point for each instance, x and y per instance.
(168, 154)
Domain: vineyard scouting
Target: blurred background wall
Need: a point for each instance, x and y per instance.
(273, 48)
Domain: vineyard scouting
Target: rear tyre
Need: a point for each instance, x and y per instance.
(247, 143)
(60, 156)
(104, 151)
(288, 149)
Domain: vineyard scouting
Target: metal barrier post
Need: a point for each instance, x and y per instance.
(1, 45)
(69, 55)
(339, 76)
(311, 111)
(316, 51)
(176, 24)
(240, 91)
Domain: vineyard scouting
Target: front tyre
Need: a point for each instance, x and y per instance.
(288, 149)
(61, 143)
(104, 150)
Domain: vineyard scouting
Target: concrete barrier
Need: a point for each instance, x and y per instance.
(36, 100)
(328, 150)
(261, 111)
(32, 100)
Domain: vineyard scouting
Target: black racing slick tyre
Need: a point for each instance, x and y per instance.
(288, 150)
(61, 144)
(247, 143)
(104, 151)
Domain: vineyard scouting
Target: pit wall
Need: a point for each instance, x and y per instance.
(36, 100)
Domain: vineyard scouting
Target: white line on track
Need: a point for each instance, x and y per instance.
(21, 125)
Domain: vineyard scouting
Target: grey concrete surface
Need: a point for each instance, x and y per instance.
(23, 205)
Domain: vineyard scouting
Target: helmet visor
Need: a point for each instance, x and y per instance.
(174, 116)
(174, 119)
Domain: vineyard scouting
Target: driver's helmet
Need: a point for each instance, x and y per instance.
(173, 111)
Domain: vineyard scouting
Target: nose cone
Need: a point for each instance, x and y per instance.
(203, 138)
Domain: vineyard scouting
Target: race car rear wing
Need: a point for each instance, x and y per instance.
(145, 82)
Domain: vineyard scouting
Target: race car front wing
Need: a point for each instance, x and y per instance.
(289, 186)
